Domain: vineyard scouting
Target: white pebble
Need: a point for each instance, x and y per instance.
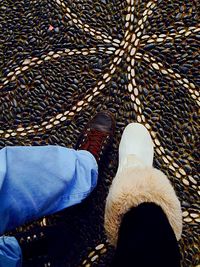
(138, 101)
(102, 86)
(132, 62)
(26, 62)
(56, 122)
(113, 70)
(165, 160)
(164, 71)
(115, 59)
(192, 85)
(140, 22)
(186, 182)
(133, 38)
(112, 48)
(185, 80)
(136, 91)
(135, 107)
(187, 220)
(157, 142)
(107, 41)
(35, 59)
(32, 64)
(130, 87)
(139, 119)
(47, 58)
(194, 215)
(18, 72)
(118, 61)
(128, 17)
(105, 75)
(79, 109)
(155, 65)
(99, 247)
(90, 98)
(108, 79)
(145, 37)
(160, 40)
(80, 103)
(63, 118)
(132, 17)
(128, 37)
(121, 53)
(192, 179)
(147, 126)
(59, 116)
(133, 50)
(185, 213)
(136, 42)
(39, 62)
(180, 81)
(133, 82)
(132, 72)
(182, 171)
(116, 41)
(49, 126)
(158, 151)
(178, 75)
(125, 45)
(188, 33)
(94, 258)
(132, 97)
(21, 129)
(24, 68)
(96, 93)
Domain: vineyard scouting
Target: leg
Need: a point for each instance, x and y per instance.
(144, 234)
(10, 252)
(36, 181)
(146, 239)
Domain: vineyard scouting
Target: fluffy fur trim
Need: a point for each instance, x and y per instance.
(132, 187)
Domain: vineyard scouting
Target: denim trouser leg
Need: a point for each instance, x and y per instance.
(37, 181)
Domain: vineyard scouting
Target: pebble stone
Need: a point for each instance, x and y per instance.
(138, 60)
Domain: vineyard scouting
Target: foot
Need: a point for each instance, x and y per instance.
(97, 135)
(136, 147)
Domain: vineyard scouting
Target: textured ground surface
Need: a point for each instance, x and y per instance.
(63, 60)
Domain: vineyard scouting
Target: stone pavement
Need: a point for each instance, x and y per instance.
(63, 60)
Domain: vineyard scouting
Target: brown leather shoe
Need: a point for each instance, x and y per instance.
(97, 135)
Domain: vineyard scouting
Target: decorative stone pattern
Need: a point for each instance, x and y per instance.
(61, 62)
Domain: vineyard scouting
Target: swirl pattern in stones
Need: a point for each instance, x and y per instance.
(64, 60)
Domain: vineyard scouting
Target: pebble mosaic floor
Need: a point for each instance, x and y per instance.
(61, 61)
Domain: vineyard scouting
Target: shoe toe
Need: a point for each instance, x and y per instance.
(136, 140)
(103, 121)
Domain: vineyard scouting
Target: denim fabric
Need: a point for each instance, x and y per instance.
(10, 252)
(37, 181)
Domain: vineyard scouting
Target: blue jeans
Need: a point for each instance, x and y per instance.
(37, 181)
